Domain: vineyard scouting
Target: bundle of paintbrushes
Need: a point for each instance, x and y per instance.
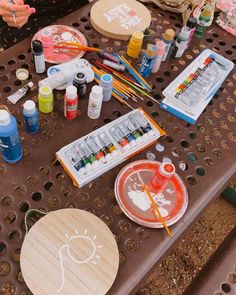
(124, 88)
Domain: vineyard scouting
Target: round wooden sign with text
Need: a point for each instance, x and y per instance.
(69, 252)
(119, 19)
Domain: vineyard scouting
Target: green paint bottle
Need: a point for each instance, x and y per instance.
(204, 18)
(45, 99)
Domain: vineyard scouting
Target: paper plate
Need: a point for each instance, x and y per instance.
(60, 33)
(134, 202)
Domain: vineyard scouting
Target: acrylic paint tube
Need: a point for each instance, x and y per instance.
(88, 153)
(129, 125)
(141, 124)
(114, 65)
(15, 97)
(81, 161)
(167, 38)
(95, 148)
(103, 149)
(118, 136)
(124, 130)
(181, 42)
(107, 143)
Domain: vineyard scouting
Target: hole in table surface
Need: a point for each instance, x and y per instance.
(14, 235)
(3, 248)
(191, 180)
(226, 287)
(10, 218)
(12, 62)
(192, 157)
(183, 166)
(37, 196)
(23, 206)
(6, 201)
(200, 171)
(48, 186)
(231, 278)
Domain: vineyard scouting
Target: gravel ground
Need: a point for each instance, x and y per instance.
(177, 271)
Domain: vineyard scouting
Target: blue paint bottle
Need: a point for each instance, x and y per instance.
(106, 84)
(10, 145)
(147, 61)
(31, 116)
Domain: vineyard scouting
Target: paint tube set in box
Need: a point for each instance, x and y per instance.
(96, 153)
(188, 95)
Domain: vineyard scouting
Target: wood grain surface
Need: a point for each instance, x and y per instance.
(119, 19)
(71, 252)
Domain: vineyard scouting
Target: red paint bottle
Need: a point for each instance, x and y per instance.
(71, 103)
(161, 177)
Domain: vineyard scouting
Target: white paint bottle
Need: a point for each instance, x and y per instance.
(95, 102)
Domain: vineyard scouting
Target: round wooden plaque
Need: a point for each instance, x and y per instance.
(119, 19)
(70, 252)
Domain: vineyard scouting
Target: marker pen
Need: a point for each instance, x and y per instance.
(96, 150)
(106, 141)
(117, 135)
(103, 149)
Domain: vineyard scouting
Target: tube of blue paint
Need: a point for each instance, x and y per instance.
(31, 116)
(106, 82)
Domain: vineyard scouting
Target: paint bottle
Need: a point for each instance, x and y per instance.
(80, 82)
(10, 145)
(148, 56)
(107, 143)
(95, 102)
(204, 18)
(45, 99)
(38, 57)
(135, 44)
(31, 116)
(191, 24)
(106, 82)
(71, 103)
(167, 38)
(161, 177)
(160, 50)
(181, 42)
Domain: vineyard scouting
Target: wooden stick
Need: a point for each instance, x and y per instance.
(146, 189)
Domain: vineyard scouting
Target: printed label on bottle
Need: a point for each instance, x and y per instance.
(70, 109)
(167, 48)
(10, 147)
(94, 110)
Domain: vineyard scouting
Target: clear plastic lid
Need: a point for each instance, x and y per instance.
(172, 202)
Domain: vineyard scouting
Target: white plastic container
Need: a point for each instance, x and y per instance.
(95, 102)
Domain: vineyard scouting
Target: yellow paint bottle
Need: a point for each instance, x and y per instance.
(135, 44)
(45, 99)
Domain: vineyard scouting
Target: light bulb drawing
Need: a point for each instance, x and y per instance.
(91, 258)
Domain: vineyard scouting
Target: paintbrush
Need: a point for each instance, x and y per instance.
(75, 46)
(155, 207)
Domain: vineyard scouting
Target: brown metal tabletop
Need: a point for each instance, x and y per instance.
(204, 154)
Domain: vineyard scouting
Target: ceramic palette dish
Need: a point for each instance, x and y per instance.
(134, 202)
(59, 33)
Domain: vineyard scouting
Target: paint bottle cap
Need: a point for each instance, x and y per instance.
(4, 118)
(137, 36)
(192, 22)
(29, 107)
(47, 37)
(80, 78)
(22, 74)
(151, 50)
(96, 92)
(45, 91)
(167, 169)
(169, 35)
(71, 92)
(37, 46)
(206, 13)
(106, 81)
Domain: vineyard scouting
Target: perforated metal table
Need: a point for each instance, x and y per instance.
(207, 151)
